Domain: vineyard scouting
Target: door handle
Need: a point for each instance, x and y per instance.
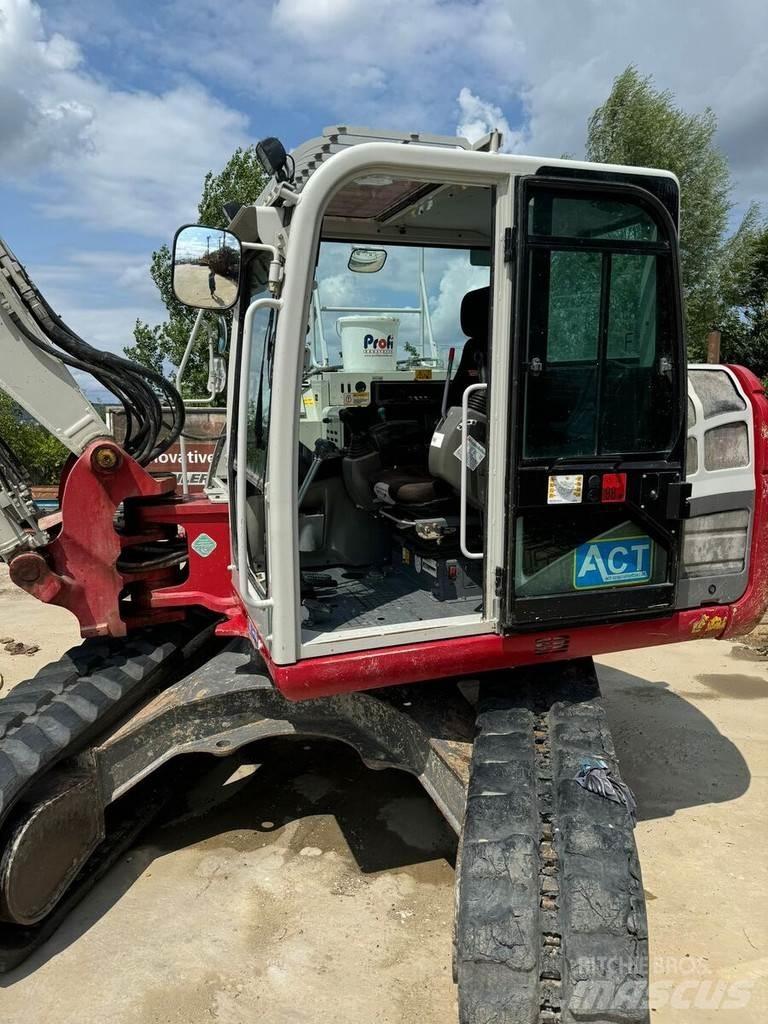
(463, 471)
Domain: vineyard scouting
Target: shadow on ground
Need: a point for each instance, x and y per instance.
(384, 818)
(671, 754)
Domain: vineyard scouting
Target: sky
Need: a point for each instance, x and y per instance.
(112, 113)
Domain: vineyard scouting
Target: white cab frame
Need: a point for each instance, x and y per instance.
(277, 614)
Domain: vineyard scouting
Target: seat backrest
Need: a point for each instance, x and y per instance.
(475, 318)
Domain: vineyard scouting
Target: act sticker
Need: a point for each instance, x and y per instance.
(203, 545)
(565, 490)
(423, 374)
(475, 453)
(610, 563)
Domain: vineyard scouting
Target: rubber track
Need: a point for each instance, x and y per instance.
(137, 810)
(550, 921)
(72, 700)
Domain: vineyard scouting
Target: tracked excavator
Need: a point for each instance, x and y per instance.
(416, 557)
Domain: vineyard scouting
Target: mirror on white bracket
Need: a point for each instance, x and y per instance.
(206, 267)
(367, 261)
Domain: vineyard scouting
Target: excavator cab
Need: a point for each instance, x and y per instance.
(516, 465)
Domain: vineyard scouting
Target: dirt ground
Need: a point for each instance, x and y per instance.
(309, 889)
(191, 281)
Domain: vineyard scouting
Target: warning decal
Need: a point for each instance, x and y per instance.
(475, 453)
(203, 545)
(565, 490)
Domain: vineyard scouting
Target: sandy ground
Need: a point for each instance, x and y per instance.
(309, 889)
(192, 282)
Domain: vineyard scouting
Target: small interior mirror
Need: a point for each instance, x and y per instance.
(206, 267)
(367, 261)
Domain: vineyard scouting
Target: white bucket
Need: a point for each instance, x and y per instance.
(368, 342)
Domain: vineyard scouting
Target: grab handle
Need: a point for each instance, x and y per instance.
(463, 472)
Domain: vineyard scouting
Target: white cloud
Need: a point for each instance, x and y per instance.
(100, 274)
(477, 117)
(309, 15)
(96, 154)
(103, 155)
(456, 280)
(402, 64)
(556, 66)
(100, 294)
(34, 121)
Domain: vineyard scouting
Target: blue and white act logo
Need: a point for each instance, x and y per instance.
(610, 563)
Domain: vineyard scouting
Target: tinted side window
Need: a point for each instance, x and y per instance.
(574, 306)
(571, 217)
(260, 391)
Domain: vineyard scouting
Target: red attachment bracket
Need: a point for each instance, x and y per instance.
(78, 568)
(208, 581)
(78, 571)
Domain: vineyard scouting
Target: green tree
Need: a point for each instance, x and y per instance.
(745, 328)
(41, 454)
(642, 126)
(241, 180)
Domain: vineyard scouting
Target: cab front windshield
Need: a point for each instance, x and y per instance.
(414, 299)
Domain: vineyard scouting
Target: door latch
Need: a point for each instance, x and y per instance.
(679, 500)
(509, 244)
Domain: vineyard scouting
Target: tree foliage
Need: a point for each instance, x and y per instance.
(642, 126)
(745, 329)
(41, 454)
(159, 345)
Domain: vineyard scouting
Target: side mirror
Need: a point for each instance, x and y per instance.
(206, 267)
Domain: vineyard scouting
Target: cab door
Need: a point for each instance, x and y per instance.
(597, 484)
(250, 407)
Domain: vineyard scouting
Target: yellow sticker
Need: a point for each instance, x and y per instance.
(309, 400)
(356, 398)
(406, 556)
(424, 374)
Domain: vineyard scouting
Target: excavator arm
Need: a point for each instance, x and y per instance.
(39, 382)
(38, 351)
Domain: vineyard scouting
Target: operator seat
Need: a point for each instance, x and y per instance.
(408, 485)
(475, 311)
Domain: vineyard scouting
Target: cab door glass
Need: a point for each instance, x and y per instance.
(599, 367)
